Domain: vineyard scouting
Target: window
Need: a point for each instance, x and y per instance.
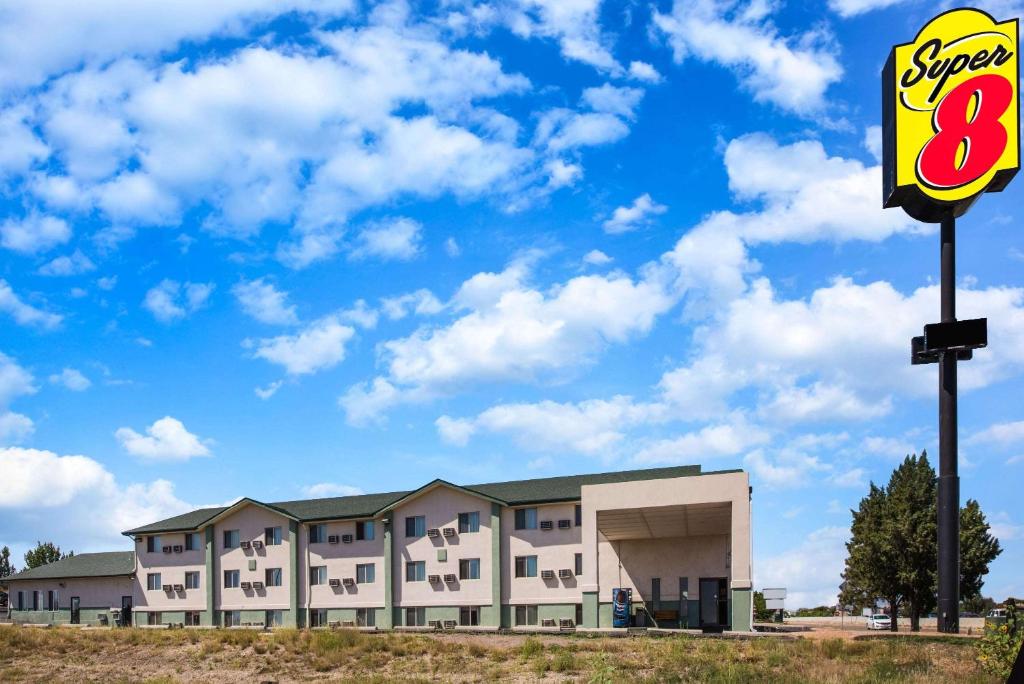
(526, 518)
(273, 618)
(192, 542)
(415, 571)
(469, 522)
(317, 533)
(318, 617)
(153, 581)
(230, 539)
(469, 568)
(469, 616)
(191, 618)
(152, 544)
(415, 526)
(153, 618)
(318, 574)
(366, 617)
(364, 530)
(272, 536)
(526, 615)
(365, 573)
(192, 579)
(232, 618)
(579, 614)
(272, 577)
(526, 566)
(579, 564)
(231, 579)
(21, 600)
(579, 515)
(415, 617)
(35, 600)
(51, 600)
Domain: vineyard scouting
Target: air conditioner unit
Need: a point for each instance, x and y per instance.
(433, 579)
(547, 574)
(167, 549)
(547, 525)
(334, 582)
(257, 544)
(245, 545)
(334, 623)
(246, 585)
(257, 585)
(547, 622)
(435, 624)
(564, 573)
(449, 531)
(564, 524)
(349, 581)
(449, 624)
(346, 539)
(566, 623)
(179, 587)
(433, 532)
(178, 548)
(332, 539)
(167, 587)
(348, 623)
(450, 579)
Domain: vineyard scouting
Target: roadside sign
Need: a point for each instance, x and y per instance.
(771, 594)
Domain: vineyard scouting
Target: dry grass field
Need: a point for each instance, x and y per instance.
(73, 655)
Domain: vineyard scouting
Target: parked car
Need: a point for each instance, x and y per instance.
(879, 621)
(997, 613)
(969, 613)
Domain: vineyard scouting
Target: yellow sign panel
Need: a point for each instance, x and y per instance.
(951, 115)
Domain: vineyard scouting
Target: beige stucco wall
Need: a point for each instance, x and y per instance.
(341, 560)
(172, 568)
(93, 592)
(250, 521)
(633, 563)
(441, 507)
(555, 550)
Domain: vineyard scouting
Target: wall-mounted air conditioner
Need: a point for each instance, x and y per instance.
(547, 574)
(257, 585)
(346, 539)
(179, 587)
(566, 623)
(450, 579)
(348, 623)
(546, 525)
(433, 532)
(246, 585)
(178, 548)
(547, 622)
(349, 581)
(449, 624)
(334, 582)
(565, 573)
(168, 588)
(435, 624)
(245, 545)
(167, 549)
(564, 524)
(333, 539)
(449, 531)
(257, 544)
(433, 579)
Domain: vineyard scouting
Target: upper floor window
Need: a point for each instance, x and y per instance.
(416, 571)
(231, 579)
(579, 564)
(579, 515)
(317, 533)
(152, 543)
(364, 529)
(318, 574)
(365, 573)
(526, 518)
(526, 566)
(192, 542)
(273, 577)
(231, 539)
(272, 536)
(192, 580)
(469, 568)
(153, 581)
(415, 526)
(469, 522)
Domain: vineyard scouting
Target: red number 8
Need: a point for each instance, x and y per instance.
(984, 136)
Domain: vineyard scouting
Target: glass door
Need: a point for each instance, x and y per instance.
(126, 611)
(75, 611)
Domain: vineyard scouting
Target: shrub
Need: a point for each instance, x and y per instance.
(999, 647)
(531, 647)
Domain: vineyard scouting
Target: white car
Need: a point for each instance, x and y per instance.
(879, 621)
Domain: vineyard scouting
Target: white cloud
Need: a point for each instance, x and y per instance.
(625, 219)
(34, 233)
(850, 8)
(261, 300)
(72, 379)
(854, 477)
(613, 99)
(822, 401)
(562, 173)
(268, 391)
(564, 129)
(790, 72)
(422, 302)
(366, 403)
(15, 428)
(395, 239)
(15, 381)
(165, 440)
(712, 441)
(811, 570)
(893, 448)
(451, 247)
(318, 346)
(1003, 528)
(785, 468)
(1002, 435)
(75, 264)
(25, 314)
(642, 71)
(170, 300)
(20, 148)
(327, 489)
(873, 142)
(596, 257)
(361, 314)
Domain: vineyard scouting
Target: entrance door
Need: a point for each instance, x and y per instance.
(126, 611)
(75, 613)
(714, 603)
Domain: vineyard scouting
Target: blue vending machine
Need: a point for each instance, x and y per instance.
(622, 607)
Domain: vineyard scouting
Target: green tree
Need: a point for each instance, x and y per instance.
(6, 569)
(978, 549)
(870, 570)
(910, 522)
(44, 553)
(761, 612)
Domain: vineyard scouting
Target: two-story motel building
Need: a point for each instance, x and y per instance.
(521, 554)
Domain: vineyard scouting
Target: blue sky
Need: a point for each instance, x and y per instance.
(306, 248)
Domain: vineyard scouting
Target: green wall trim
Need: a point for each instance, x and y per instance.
(291, 616)
(62, 616)
(389, 616)
(494, 617)
(209, 618)
(741, 605)
(591, 616)
(604, 615)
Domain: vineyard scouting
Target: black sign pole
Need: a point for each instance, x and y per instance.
(949, 480)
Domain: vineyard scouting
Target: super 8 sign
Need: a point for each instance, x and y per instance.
(951, 115)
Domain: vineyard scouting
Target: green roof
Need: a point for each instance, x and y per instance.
(105, 564)
(513, 493)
